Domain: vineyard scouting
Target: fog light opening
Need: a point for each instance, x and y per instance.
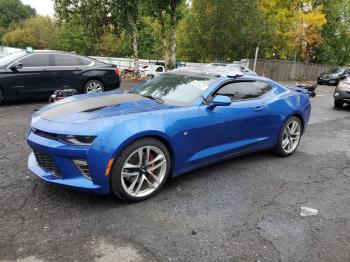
(83, 167)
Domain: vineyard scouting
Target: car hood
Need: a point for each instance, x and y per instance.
(84, 108)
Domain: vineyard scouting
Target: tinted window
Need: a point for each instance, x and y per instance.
(84, 61)
(263, 88)
(239, 90)
(37, 60)
(66, 60)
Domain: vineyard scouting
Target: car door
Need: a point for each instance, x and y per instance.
(66, 70)
(241, 126)
(32, 76)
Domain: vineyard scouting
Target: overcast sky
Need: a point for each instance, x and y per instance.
(43, 7)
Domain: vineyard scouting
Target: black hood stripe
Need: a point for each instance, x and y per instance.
(88, 104)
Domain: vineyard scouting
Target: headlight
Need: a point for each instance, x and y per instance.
(344, 86)
(77, 140)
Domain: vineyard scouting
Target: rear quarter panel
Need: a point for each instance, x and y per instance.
(286, 104)
(106, 76)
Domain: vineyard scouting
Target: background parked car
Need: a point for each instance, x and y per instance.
(40, 73)
(342, 93)
(4, 51)
(152, 71)
(334, 76)
(245, 70)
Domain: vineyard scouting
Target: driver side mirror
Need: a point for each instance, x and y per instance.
(16, 66)
(220, 100)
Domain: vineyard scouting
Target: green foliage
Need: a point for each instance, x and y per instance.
(208, 30)
(38, 32)
(13, 12)
(335, 48)
(71, 36)
(223, 30)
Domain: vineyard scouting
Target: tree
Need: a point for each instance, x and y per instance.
(220, 30)
(125, 16)
(167, 12)
(11, 13)
(38, 32)
(99, 16)
(336, 33)
(93, 15)
(71, 36)
(294, 27)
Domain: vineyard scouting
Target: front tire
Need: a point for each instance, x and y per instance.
(289, 137)
(338, 104)
(140, 170)
(93, 86)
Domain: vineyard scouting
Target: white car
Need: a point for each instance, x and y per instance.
(151, 71)
(243, 69)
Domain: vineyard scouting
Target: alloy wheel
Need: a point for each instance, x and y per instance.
(94, 87)
(143, 171)
(291, 136)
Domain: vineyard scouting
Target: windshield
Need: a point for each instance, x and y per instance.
(338, 70)
(4, 61)
(181, 90)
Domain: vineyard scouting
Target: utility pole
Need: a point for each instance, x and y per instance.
(256, 56)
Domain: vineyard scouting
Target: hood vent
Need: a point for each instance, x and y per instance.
(97, 109)
(89, 104)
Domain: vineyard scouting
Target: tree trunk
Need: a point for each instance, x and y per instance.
(164, 43)
(173, 36)
(135, 49)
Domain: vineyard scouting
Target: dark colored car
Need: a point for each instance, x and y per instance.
(342, 93)
(40, 73)
(334, 76)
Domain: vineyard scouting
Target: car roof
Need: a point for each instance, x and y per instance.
(208, 71)
(53, 51)
(230, 73)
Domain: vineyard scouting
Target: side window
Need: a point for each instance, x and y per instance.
(244, 90)
(263, 88)
(83, 61)
(66, 60)
(36, 60)
(239, 90)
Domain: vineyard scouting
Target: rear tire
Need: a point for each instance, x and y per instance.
(289, 138)
(338, 104)
(94, 86)
(141, 170)
(2, 99)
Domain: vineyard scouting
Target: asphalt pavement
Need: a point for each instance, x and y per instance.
(244, 209)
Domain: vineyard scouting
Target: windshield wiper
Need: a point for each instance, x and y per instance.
(157, 99)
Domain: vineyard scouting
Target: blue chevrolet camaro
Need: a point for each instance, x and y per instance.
(129, 142)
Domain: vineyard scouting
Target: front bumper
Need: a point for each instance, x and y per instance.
(342, 96)
(328, 81)
(69, 174)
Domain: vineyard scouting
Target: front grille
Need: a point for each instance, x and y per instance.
(46, 162)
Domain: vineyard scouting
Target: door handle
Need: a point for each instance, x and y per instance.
(258, 108)
(78, 69)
